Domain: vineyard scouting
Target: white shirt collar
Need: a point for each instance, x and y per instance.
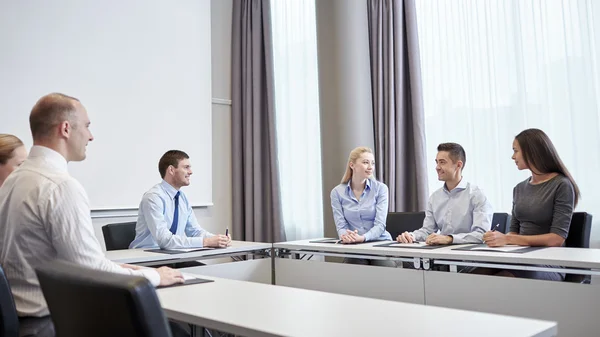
(461, 185)
(51, 157)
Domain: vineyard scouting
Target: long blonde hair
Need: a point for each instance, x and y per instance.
(354, 155)
(8, 144)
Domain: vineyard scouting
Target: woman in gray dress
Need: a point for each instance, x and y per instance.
(542, 204)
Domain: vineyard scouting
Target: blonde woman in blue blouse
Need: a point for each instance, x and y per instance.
(360, 204)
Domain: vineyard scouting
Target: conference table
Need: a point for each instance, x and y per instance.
(574, 306)
(254, 309)
(248, 261)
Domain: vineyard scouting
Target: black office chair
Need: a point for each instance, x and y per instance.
(579, 237)
(92, 303)
(503, 219)
(9, 321)
(118, 235)
(400, 222)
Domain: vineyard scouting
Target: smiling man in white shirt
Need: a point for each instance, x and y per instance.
(459, 211)
(45, 213)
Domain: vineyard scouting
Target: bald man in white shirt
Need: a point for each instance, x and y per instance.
(45, 213)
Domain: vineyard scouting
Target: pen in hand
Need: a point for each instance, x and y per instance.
(493, 230)
(226, 231)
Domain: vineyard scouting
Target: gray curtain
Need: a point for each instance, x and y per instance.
(399, 125)
(256, 197)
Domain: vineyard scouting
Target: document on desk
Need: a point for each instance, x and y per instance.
(337, 241)
(188, 279)
(414, 245)
(177, 250)
(504, 249)
(326, 240)
(408, 245)
(187, 250)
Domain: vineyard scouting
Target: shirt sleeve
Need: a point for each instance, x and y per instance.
(151, 208)
(192, 228)
(381, 211)
(482, 219)
(71, 232)
(341, 224)
(429, 225)
(562, 213)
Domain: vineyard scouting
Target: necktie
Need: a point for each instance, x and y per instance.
(175, 215)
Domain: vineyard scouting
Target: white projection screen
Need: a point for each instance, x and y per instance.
(142, 68)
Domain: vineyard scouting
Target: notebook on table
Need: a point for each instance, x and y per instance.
(417, 245)
(177, 250)
(504, 249)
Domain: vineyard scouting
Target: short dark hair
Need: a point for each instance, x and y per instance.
(50, 111)
(456, 152)
(171, 157)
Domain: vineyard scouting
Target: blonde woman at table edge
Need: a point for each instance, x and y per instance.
(542, 204)
(360, 204)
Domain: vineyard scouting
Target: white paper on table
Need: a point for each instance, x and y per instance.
(187, 250)
(408, 245)
(506, 249)
(187, 276)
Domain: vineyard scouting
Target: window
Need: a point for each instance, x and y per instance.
(494, 68)
(297, 116)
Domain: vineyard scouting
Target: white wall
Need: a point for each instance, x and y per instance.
(142, 69)
(218, 217)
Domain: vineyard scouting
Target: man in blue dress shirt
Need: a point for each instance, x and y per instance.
(165, 217)
(456, 213)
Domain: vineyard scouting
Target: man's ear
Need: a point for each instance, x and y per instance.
(64, 129)
(459, 164)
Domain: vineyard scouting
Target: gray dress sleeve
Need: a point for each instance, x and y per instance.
(564, 201)
(514, 223)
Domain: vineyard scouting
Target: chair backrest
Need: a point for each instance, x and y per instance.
(503, 219)
(400, 222)
(92, 303)
(9, 321)
(579, 237)
(118, 235)
(579, 231)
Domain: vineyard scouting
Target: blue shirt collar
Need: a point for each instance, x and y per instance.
(170, 190)
(367, 186)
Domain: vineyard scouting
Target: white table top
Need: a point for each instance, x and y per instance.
(558, 256)
(254, 309)
(141, 256)
(363, 248)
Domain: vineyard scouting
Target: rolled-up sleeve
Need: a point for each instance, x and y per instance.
(71, 231)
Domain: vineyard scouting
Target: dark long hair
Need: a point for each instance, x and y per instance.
(540, 154)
